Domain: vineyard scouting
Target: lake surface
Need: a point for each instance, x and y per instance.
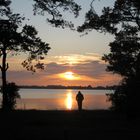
(61, 99)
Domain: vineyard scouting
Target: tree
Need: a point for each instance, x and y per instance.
(55, 8)
(124, 59)
(113, 18)
(123, 21)
(26, 40)
(12, 94)
(18, 39)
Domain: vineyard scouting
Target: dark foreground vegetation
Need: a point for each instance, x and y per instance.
(67, 125)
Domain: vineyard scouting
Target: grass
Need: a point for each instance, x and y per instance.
(67, 125)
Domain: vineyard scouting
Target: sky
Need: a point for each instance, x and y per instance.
(73, 60)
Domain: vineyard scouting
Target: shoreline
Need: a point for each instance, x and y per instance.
(64, 88)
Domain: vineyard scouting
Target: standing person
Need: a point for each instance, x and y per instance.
(79, 99)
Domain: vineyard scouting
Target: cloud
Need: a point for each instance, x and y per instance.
(89, 68)
(90, 72)
(54, 68)
(73, 59)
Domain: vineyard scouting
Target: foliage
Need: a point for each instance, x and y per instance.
(125, 52)
(126, 97)
(11, 40)
(123, 21)
(4, 7)
(55, 8)
(18, 39)
(12, 92)
(112, 19)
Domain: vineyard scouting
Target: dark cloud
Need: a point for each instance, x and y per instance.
(91, 68)
(23, 77)
(54, 68)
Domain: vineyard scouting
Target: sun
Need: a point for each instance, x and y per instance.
(69, 75)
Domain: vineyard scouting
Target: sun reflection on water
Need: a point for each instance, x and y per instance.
(69, 101)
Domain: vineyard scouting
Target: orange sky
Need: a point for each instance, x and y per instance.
(72, 70)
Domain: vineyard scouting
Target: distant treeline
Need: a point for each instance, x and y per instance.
(68, 87)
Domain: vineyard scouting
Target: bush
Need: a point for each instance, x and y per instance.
(12, 94)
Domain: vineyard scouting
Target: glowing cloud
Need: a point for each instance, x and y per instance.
(74, 59)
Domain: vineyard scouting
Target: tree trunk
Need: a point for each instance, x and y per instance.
(4, 68)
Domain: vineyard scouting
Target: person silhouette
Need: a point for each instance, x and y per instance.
(79, 99)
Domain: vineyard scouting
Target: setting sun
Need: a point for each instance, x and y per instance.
(69, 75)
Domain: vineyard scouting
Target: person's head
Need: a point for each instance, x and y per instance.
(79, 91)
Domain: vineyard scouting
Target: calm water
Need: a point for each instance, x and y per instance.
(61, 99)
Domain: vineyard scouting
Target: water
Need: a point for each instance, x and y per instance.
(61, 99)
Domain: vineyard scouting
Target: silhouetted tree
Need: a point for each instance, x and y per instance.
(124, 59)
(123, 21)
(125, 51)
(112, 19)
(17, 39)
(12, 94)
(55, 9)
